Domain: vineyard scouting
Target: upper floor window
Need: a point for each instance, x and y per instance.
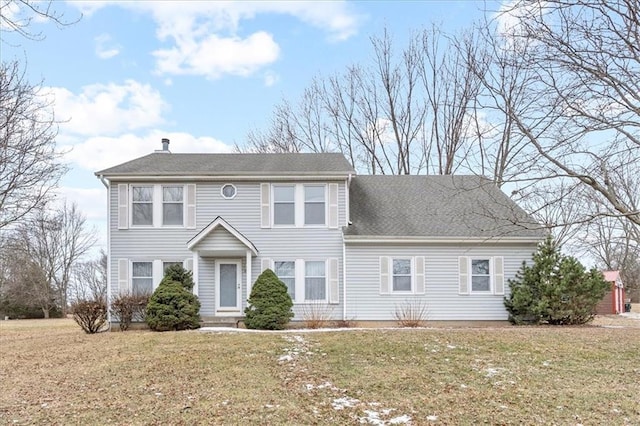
(314, 205)
(402, 275)
(480, 275)
(172, 205)
(142, 205)
(284, 212)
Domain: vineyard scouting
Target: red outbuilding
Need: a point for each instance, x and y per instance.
(613, 300)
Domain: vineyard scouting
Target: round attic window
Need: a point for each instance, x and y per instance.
(228, 191)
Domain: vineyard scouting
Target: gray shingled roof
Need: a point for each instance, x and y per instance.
(434, 206)
(169, 164)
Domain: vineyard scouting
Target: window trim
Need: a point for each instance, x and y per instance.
(235, 191)
(132, 277)
(411, 276)
(132, 202)
(490, 275)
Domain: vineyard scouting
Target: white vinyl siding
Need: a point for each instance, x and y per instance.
(367, 300)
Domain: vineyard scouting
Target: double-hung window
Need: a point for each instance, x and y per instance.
(172, 205)
(286, 271)
(402, 275)
(314, 205)
(315, 281)
(480, 275)
(142, 277)
(284, 211)
(142, 206)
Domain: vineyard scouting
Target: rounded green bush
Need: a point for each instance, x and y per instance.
(269, 305)
(172, 307)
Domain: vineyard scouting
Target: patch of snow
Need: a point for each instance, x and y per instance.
(285, 358)
(400, 420)
(492, 371)
(432, 418)
(632, 315)
(463, 386)
(386, 411)
(546, 363)
(451, 346)
(342, 403)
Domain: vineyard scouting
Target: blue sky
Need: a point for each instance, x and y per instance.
(201, 73)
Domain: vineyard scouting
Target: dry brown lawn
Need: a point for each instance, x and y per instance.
(52, 373)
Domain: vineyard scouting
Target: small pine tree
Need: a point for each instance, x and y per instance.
(269, 305)
(172, 306)
(556, 289)
(177, 273)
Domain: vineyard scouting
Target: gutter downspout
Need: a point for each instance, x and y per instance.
(106, 184)
(344, 250)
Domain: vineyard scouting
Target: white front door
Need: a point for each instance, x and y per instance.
(229, 290)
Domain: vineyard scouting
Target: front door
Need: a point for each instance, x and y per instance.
(228, 278)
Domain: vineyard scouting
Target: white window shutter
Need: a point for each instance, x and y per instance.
(188, 264)
(191, 206)
(419, 275)
(463, 275)
(385, 275)
(123, 206)
(158, 272)
(123, 276)
(266, 264)
(333, 205)
(498, 275)
(265, 205)
(334, 288)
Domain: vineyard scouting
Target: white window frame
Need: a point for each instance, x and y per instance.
(163, 202)
(471, 275)
(295, 292)
(326, 282)
(132, 202)
(235, 191)
(132, 277)
(157, 203)
(304, 204)
(274, 202)
(411, 276)
(299, 205)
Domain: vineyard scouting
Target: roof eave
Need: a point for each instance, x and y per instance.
(440, 239)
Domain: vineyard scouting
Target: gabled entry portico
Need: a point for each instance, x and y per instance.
(222, 259)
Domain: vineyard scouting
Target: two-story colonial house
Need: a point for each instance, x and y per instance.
(355, 245)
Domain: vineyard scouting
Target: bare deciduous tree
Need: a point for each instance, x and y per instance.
(29, 162)
(89, 280)
(18, 16)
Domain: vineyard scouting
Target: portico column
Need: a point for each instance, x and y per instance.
(248, 273)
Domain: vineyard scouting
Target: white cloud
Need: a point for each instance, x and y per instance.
(512, 19)
(214, 56)
(270, 78)
(101, 152)
(105, 48)
(108, 109)
(91, 201)
(205, 36)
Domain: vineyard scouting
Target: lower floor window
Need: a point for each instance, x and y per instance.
(401, 274)
(142, 277)
(286, 271)
(480, 275)
(315, 283)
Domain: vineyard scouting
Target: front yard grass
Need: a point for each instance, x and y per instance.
(52, 373)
